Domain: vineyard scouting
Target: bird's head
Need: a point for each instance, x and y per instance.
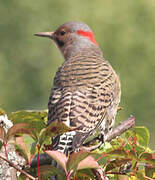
(71, 37)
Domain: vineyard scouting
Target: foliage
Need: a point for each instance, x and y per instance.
(126, 156)
(123, 29)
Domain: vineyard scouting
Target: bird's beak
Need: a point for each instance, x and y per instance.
(45, 34)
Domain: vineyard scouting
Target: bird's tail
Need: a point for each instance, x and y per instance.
(62, 143)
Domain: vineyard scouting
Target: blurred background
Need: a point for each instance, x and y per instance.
(125, 31)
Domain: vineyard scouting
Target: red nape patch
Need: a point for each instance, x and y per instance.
(88, 35)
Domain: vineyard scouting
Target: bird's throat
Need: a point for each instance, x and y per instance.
(60, 43)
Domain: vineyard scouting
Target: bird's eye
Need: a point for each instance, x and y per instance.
(62, 33)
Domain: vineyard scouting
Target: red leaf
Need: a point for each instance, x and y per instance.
(46, 171)
(20, 128)
(60, 157)
(75, 158)
(56, 128)
(88, 162)
(24, 149)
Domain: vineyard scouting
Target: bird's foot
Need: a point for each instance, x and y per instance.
(101, 138)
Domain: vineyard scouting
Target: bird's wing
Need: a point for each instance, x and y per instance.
(82, 94)
(86, 108)
(90, 111)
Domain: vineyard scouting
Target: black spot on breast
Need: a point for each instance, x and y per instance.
(60, 43)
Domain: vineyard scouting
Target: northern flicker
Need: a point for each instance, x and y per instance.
(86, 90)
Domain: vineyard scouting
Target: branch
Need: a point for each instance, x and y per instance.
(20, 170)
(121, 128)
(117, 131)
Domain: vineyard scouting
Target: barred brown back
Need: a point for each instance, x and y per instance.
(85, 88)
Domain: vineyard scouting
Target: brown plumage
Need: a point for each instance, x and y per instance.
(86, 90)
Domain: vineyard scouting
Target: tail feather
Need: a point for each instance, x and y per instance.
(62, 143)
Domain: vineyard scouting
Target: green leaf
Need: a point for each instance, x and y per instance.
(23, 148)
(20, 129)
(59, 157)
(116, 163)
(128, 134)
(75, 158)
(42, 136)
(21, 177)
(140, 175)
(149, 170)
(21, 151)
(116, 142)
(33, 148)
(134, 164)
(37, 119)
(85, 174)
(142, 135)
(57, 128)
(148, 158)
(132, 155)
(30, 146)
(47, 171)
(105, 147)
(100, 158)
(118, 152)
(139, 149)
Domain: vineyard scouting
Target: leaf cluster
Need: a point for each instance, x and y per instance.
(126, 156)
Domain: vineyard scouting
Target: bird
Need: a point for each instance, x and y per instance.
(86, 91)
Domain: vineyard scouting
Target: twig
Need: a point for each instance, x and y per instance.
(121, 128)
(5, 148)
(38, 172)
(20, 170)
